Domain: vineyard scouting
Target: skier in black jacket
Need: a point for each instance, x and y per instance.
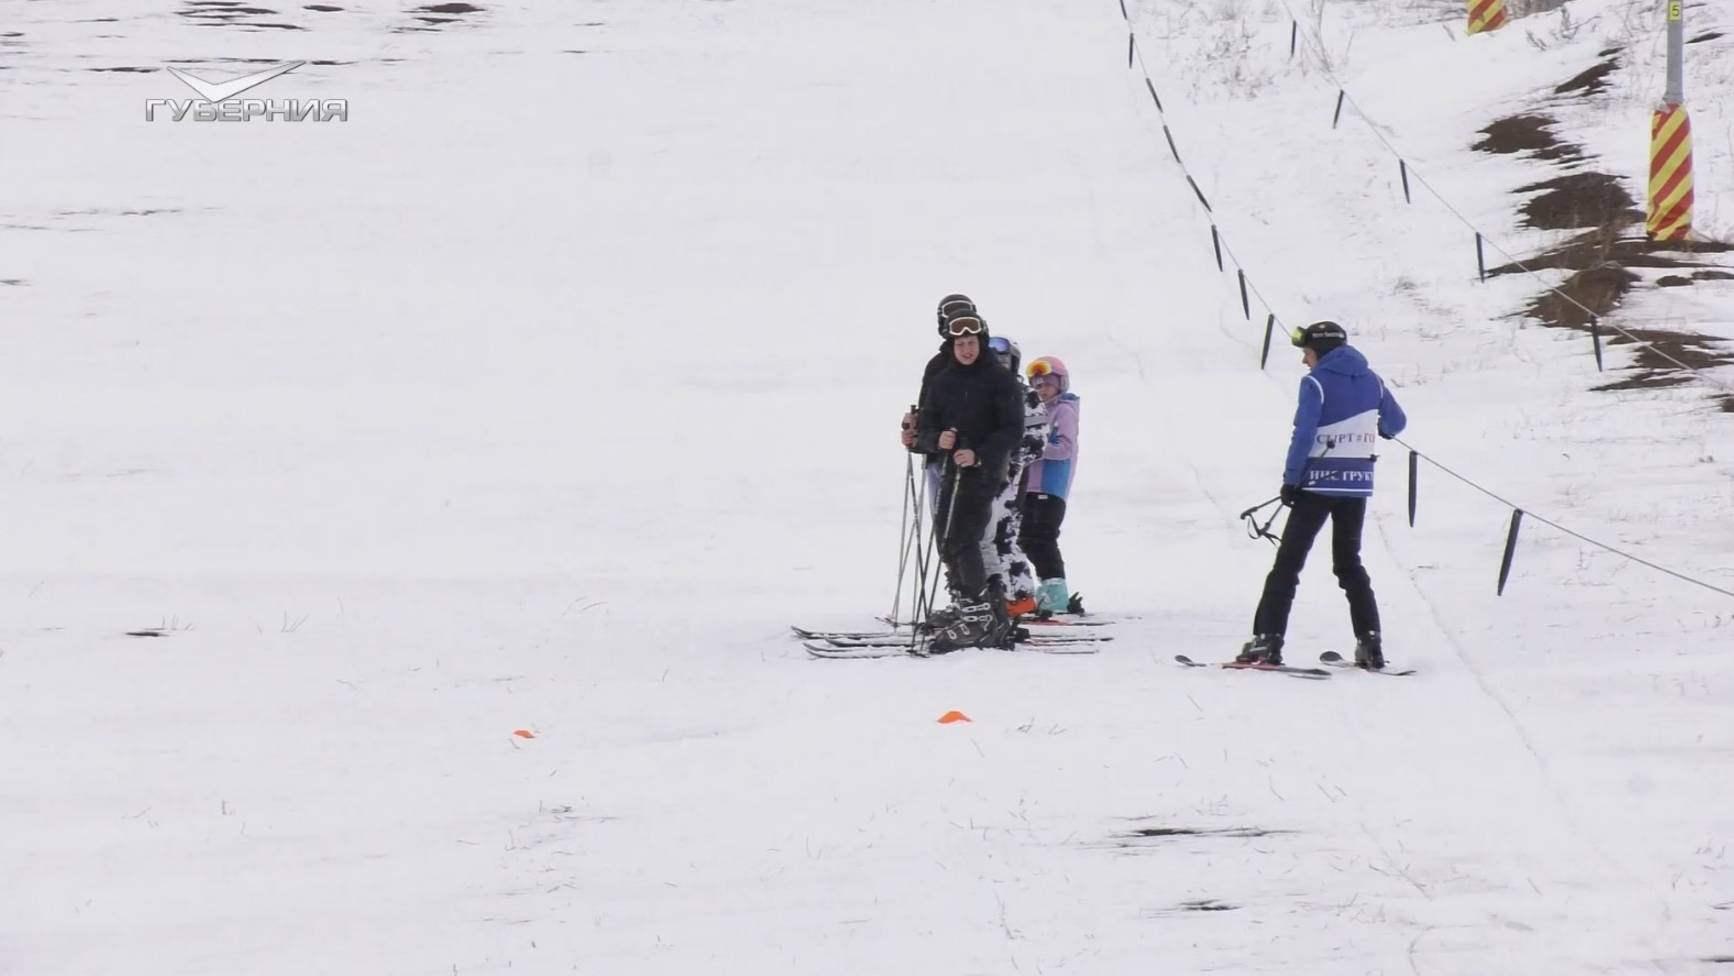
(950, 307)
(973, 412)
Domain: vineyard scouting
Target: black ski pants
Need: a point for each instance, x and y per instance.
(1041, 534)
(1308, 516)
(963, 525)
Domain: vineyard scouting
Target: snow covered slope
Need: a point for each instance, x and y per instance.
(546, 390)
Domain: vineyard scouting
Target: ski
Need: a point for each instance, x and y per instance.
(1056, 620)
(856, 635)
(1236, 666)
(1341, 663)
(1039, 629)
(903, 640)
(822, 650)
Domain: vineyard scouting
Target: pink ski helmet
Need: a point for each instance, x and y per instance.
(1047, 365)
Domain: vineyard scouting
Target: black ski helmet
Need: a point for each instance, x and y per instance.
(950, 307)
(1320, 337)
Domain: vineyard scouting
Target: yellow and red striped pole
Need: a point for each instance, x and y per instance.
(1486, 15)
(1669, 216)
(1670, 210)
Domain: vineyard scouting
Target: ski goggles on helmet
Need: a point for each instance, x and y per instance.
(964, 325)
(1047, 369)
(955, 306)
(1000, 345)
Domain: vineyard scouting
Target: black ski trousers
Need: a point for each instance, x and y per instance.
(964, 525)
(1308, 516)
(1041, 534)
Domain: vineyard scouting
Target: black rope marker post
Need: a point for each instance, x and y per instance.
(1510, 549)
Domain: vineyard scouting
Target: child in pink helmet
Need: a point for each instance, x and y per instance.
(1050, 481)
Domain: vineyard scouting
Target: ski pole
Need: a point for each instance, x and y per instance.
(1268, 501)
(945, 543)
(924, 514)
(925, 560)
(914, 496)
(1256, 531)
(918, 533)
(903, 534)
(913, 538)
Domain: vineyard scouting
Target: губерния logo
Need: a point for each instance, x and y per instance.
(218, 101)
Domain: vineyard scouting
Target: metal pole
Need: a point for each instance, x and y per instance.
(1676, 53)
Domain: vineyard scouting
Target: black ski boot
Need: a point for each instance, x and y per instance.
(1262, 649)
(938, 620)
(1369, 652)
(1001, 630)
(971, 628)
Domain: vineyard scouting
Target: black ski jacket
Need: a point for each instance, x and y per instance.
(982, 402)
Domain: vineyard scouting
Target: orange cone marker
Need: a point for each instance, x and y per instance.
(953, 716)
(524, 733)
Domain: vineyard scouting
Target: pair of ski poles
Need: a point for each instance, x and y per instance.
(1256, 531)
(911, 548)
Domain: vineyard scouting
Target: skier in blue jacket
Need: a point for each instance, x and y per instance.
(1344, 409)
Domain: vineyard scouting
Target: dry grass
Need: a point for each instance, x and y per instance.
(1529, 8)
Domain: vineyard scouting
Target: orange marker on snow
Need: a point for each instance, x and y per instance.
(524, 733)
(953, 716)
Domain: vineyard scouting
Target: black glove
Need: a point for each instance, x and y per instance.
(1290, 494)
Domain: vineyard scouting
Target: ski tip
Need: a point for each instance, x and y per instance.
(1336, 660)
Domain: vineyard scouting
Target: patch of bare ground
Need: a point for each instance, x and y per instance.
(1527, 133)
(1578, 200)
(1591, 80)
(1602, 281)
(1600, 258)
(1658, 355)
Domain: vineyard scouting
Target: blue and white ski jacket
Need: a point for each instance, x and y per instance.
(1051, 474)
(1344, 408)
